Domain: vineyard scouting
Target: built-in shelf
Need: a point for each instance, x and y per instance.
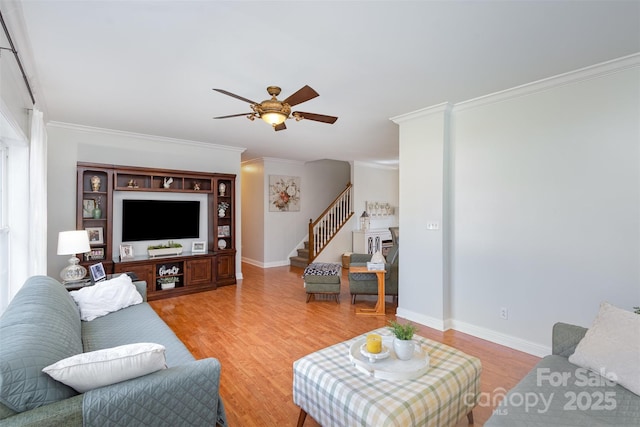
(97, 184)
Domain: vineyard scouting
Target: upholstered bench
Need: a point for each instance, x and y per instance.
(322, 278)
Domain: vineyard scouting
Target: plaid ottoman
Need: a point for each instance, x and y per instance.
(328, 387)
(322, 278)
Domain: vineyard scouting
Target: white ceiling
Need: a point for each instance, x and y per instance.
(149, 66)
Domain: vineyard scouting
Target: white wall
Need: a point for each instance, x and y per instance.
(320, 183)
(253, 217)
(422, 148)
(69, 144)
(545, 206)
(378, 183)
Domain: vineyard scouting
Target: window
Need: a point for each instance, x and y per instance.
(4, 229)
(14, 211)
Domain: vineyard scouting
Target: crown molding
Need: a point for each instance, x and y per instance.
(429, 111)
(285, 161)
(264, 160)
(583, 74)
(394, 166)
(155, 138)
(250, 162)
(587, 73)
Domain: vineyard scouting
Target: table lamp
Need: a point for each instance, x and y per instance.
(72, 243)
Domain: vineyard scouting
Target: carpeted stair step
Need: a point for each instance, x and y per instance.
(302, 259)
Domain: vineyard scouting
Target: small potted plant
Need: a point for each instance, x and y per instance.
(170, 248)
(403, 343)
(167, 282)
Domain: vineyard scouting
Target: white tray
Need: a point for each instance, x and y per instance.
(390, 368)
(384, 353)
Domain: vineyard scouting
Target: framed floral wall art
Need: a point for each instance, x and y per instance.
(284, 193)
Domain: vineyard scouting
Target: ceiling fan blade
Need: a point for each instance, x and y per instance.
(316, 117)
(302, 95)
(233, 95)
(233, 115)
(281, 126)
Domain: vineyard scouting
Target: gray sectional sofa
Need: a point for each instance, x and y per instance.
(42, 325)
(558, 393)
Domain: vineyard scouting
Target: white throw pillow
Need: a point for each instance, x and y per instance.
(611, 347)
(94, 369)
(106, 297)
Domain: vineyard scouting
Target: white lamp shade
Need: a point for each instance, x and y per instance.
(73, 242)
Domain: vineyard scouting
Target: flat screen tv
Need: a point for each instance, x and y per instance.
(160, 220)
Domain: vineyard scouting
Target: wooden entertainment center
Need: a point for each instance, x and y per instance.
(190, 272)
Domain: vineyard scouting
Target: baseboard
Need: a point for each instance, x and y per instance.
(252, 262)
(265, 265)
(430, 322)
(476, 331)
(502, 339)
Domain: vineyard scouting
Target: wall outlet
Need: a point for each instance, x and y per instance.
(504, 313)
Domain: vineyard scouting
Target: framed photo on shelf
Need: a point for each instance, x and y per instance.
(224, 231)
(97, 272)
(126, 251)
(94, 254)
(96, 236)
(88, 205)
(198, 248)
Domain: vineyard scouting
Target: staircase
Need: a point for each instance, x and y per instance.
(302, 259)
(323, 229)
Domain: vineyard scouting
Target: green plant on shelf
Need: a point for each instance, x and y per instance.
(165, 280)
(168, 245)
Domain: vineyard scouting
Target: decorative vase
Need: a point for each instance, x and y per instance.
(95, 183)
(403, 348)
(97, 213)
(221, 212)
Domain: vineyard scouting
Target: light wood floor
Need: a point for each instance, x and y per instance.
(260, 326)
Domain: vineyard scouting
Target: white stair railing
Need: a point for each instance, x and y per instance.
(323, 229)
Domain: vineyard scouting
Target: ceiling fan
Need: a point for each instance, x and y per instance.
(276, 112)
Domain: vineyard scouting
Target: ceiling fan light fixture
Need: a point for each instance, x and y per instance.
(274, 118)
(276, 112)
(273, 111)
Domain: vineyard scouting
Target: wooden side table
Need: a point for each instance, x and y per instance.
(379, 308)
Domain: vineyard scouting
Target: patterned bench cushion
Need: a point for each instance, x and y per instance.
(324, 273)
(322, 269)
